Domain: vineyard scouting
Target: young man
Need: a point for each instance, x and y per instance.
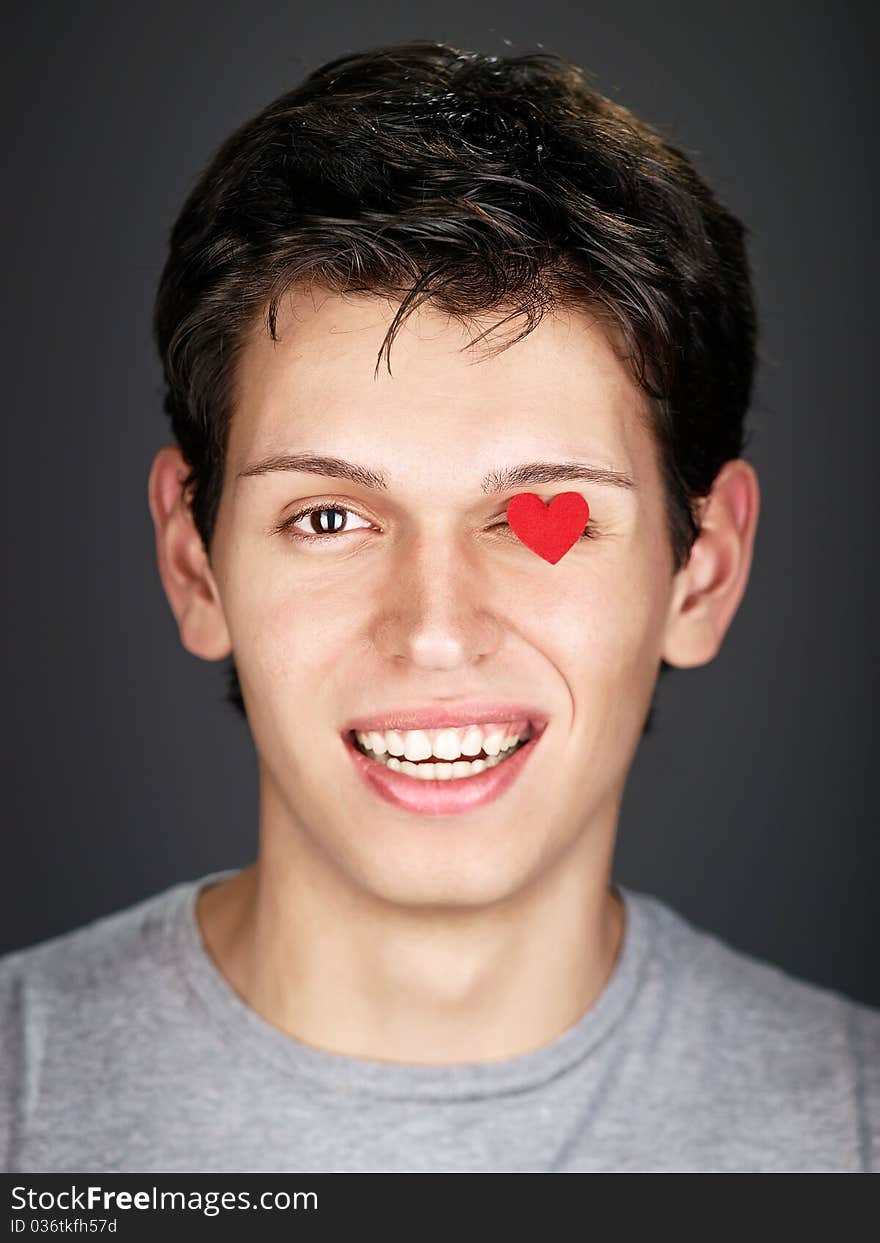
(445, 669)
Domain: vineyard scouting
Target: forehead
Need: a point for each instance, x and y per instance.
(564, 387)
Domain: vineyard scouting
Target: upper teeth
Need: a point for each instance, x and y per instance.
(442, 744)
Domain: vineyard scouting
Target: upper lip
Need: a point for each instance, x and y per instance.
(451, 715)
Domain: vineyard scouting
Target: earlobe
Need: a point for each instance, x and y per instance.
(182, 561)
(708, 590)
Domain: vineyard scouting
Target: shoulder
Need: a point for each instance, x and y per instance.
(60, 998)
(763, 1044)
(107, 952)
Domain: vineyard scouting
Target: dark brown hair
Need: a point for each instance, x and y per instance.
(483, 184)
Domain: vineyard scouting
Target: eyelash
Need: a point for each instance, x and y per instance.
(286, 527)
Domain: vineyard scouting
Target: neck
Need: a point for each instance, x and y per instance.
(343, 970)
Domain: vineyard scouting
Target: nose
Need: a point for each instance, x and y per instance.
(435, 612)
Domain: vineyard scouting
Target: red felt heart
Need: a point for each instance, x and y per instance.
(549, 530)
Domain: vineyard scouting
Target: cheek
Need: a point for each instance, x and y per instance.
(602, 635)
(601, 615)
(287, 630)
(305, 633)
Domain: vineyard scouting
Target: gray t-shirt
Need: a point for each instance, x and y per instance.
(123, 1048)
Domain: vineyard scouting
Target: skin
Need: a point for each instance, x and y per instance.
(362, 928)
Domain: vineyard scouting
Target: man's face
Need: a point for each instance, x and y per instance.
(425, 598)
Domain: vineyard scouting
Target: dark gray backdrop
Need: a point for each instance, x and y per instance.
(752, 806)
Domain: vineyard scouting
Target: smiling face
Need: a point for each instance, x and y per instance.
(424, 597)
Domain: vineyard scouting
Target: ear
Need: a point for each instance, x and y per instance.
(707, 591)
(183, 563)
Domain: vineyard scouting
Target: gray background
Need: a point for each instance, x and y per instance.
(751, 808)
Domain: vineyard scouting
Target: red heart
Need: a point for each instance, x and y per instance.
(549, 530)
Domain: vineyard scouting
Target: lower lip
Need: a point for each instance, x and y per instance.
(441, 798)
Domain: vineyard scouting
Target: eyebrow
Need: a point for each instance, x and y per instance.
(500, 480)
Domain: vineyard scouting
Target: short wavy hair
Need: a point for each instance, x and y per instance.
(483, 184)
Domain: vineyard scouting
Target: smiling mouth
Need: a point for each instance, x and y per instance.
(433, 769)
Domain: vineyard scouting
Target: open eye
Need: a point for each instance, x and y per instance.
(325, 522)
